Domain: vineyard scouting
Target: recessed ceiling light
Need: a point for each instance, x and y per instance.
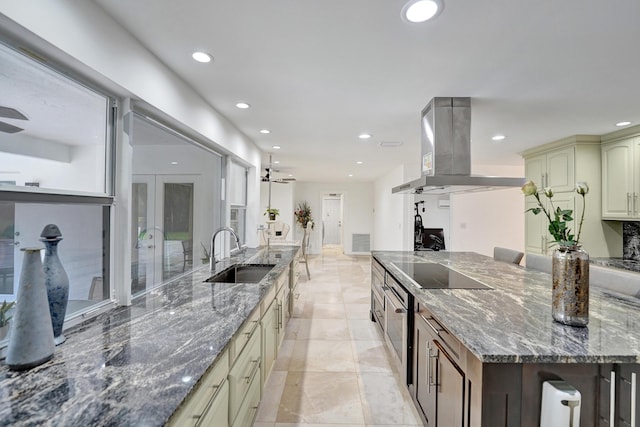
(623, 123)
(200, 56)
(498, 137)
(365, 136)
(350, 175)
(290, 174)
(276, 147)
(243, 105)
(358, 162)
(421, 10)
(174, 163)
(265, 131)
(276, 162)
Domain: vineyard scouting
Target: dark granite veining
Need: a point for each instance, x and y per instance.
(631, 240)
(135, 365)
(512, 323)
(623, 264)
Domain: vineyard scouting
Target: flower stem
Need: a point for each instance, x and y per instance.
(584, 208)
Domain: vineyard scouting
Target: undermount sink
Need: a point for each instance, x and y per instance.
(241, 273)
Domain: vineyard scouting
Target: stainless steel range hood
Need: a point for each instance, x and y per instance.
(446, 152)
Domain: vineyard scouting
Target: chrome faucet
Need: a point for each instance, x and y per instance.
(212, 260)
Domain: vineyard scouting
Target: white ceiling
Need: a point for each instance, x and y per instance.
(319, 73)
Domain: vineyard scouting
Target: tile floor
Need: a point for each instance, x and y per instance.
(333, 368)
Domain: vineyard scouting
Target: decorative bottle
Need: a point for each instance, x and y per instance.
(56, 280)
(570, 292)
(31, 338)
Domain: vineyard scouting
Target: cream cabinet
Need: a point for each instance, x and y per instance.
(553, 169)
(561, 165)
(621, 179)
(537, 237)
(243, 374)
(209, 400)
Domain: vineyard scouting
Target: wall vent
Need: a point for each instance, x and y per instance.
(361, 242)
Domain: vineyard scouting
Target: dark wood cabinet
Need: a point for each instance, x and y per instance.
(439, 382)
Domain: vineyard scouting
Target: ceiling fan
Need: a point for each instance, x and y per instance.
(268, 178)
(10, 113)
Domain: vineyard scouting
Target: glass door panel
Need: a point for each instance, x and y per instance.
(164, 222)
(7, 245)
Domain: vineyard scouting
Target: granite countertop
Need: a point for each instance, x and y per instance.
(624, 264)
(512, 323)
(134, 365)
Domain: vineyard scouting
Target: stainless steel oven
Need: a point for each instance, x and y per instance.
(398, 325)
(377, 293)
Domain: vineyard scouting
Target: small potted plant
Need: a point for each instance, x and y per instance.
(273, 213)
(4, 318)
(205, 256)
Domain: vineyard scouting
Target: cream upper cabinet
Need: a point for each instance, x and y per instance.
(560, 165)
(554, 169)
(621, 179)
(537, 237)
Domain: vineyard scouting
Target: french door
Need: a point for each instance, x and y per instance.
(165, 219)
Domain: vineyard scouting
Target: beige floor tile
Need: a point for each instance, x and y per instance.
(263, 424)
(323, 285)
(316, 310)
(318, 425)
(323, 329)
(357, 311)
(356, 296)
(268, 410)
(324, 297)
(371, 356)
(321, 397)
(384, 401)
(364, 330)
(322, 356)
(284, 355)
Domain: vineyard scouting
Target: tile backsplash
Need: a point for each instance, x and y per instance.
(631, 240)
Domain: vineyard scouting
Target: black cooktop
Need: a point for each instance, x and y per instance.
(437, 276)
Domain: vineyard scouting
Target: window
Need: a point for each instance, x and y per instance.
(175, 203)
(238, 200)
(55, 168)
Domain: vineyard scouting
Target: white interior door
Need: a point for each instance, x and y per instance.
(332, 220)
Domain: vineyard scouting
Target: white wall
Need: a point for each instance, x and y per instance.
(281, 199)
(480, 221)
(390, 213)
(84, 170)
(357, 210)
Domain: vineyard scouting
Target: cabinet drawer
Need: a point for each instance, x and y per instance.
(243, 372)
(249, 406)
(196, 403)
(267, 300)
(243, 335)
(451, 344)
(217, 414)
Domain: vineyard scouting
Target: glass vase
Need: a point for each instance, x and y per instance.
(570, 292)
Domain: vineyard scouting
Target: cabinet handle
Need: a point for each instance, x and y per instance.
(399, 310)
(542, 180)
(430, 381)
(253, 371)
(280, 316)
(628, 203)
(633, 399)
(635, 204)
(433, 328)
(612, 399)
(255, 325)
(546, 179)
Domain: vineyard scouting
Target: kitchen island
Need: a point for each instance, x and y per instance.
(504, 343)
(136, 365)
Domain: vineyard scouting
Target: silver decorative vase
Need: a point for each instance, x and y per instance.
(56, 281)
(570, 293)
(31, 337)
